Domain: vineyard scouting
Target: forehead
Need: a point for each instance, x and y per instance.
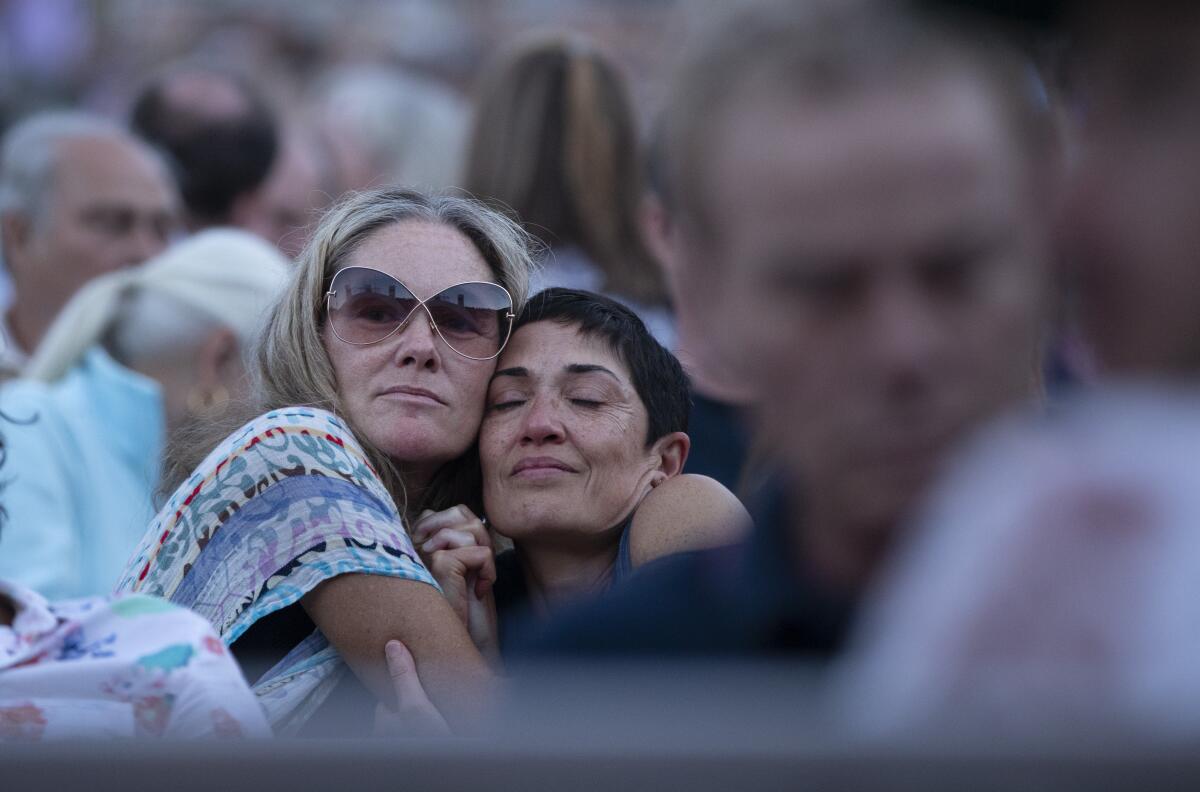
(104, 170)
(862, 176)
(427, 257)
(546, 348)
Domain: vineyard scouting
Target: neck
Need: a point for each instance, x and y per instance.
(416, 481)
(557, 574)
(705, 377)
(843, 556)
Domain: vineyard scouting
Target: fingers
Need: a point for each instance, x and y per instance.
(462, 562)
(459, 519)
(403, 671)
(452, 568)
(414, 712)
(449, 538)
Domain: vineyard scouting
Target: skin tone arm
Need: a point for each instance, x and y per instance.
(684, 513)
(413, 715)
(360, 614)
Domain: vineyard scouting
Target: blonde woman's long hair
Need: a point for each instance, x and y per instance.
(289, 364)
(554, 138)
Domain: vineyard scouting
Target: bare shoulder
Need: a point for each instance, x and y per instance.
(684, 513)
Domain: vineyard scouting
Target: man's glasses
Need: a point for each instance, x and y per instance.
(367, 306)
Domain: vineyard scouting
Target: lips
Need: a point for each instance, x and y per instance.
(536, 465)
(408, 390)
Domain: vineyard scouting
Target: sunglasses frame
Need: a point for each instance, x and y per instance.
(329, 295)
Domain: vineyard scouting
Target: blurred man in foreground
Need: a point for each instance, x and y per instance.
(866, 197)
(78, 197)
(1070, 604)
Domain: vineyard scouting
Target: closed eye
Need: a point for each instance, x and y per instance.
(506, 405)
(586, 403)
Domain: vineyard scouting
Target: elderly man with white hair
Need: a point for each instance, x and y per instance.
(79, 196)
(136, 356)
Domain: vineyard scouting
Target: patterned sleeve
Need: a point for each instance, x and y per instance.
(212, 698)
(284, 503)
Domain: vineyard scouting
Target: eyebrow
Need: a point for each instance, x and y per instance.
(516, 371)
(588, 368)
(573, 368)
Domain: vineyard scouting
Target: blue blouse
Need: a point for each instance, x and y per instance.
(84, 457)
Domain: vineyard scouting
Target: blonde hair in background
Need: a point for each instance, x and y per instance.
(554, 138)
(290, 365)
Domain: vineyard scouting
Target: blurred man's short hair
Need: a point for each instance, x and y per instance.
(218, 132)
(823, 51)
(29, 155)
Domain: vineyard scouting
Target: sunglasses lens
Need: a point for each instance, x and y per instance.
(473, 318)
(367, 306)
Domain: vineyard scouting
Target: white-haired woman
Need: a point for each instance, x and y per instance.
(371, 379)
(135, 356)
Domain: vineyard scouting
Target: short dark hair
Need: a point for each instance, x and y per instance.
(657, 375)
(215, 158)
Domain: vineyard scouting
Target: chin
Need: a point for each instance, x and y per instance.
(528, 520)
(420, 445)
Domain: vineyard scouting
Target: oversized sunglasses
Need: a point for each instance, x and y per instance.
(366, 306)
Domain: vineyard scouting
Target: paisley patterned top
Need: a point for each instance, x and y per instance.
(129, 666)
(283, 504)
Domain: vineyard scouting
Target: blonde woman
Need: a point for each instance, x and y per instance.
(370, 385)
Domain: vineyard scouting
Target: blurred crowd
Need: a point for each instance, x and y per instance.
(359, 359)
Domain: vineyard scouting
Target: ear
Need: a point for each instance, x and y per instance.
(671, 451)
(656, 230)
(218, 360)
(16, 230)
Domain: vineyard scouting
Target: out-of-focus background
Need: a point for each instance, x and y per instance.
(95, 54)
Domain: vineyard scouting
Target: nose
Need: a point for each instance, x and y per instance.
(417, 344)
(542, 423)
(906, 334)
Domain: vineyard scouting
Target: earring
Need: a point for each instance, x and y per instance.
(201, 403)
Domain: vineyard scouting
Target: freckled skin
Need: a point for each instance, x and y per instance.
(548, 414)
(425, 257)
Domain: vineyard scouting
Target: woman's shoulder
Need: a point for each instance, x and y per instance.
(281, 444)
(298, 417)
(684, 513)
(289, 430)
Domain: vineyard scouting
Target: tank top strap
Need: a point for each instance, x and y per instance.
(624, 565)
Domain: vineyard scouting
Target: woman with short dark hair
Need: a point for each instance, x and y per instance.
(582, 447)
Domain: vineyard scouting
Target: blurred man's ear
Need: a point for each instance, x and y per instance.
(656, 230)
(672, 452)
(16, 233)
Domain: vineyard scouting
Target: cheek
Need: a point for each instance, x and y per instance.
(493, 439)
(1006, 333)
(338, 358)
(469, 382)
(613, 453)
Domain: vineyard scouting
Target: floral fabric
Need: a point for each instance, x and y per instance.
(283, 504)
(129, 666)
